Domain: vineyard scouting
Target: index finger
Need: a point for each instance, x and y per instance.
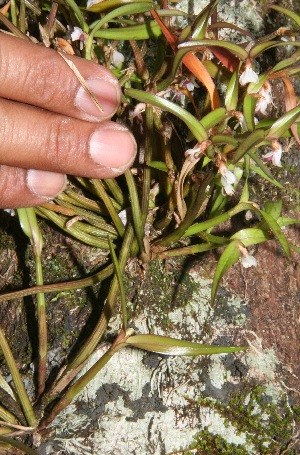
(32, 74)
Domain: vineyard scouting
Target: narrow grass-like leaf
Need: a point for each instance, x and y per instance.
(78, 14)
(19, 386)
(262, 170)
(286, 63)
(259, 48)
(171, 346)
(132, 8)
(249, 111)
(135, 32)
(283, 221)
(283, 123)
(231, 97)
(136, 209)
(213, 118)
(191, 122)
(229, 256)
(275, 228)
(112, 4)
(235, 49)
(120, 281)
(252, 140)
(18, 445)
(79, 234)
(159, 165)
(287, 12)
(199, 27)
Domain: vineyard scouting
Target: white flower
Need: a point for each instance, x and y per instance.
(78, 35)
(228, 179)
(248, 76)
(248, 261)
(275, 154)
(117, 58)
(264, 99)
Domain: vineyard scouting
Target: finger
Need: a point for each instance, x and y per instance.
(33, 138)
(21, 188)
(35, 75)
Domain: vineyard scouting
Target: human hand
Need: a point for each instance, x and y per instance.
(50, 127)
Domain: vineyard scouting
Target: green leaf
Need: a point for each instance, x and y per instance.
(252, 140)
(229, 256)
(283, 124)
(253, 88)
(259, 48)
(250, 236)
(235, 49)
(118, 273)
(223, 139)
(160, 165)
(231, 98)
(287, 12)
(200, 24)
(282, 221)
(286, 62)
(135, 32)
(112, 4)
(262, 170)
(172, 346)
(273, 208)
(275, 228)
(136, 209)
(249, 111)
(213, 118)
(16, 377)
(191, 122)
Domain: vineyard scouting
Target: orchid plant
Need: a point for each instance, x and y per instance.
(184, 194)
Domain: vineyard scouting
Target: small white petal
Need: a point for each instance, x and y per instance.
(228, 176)
(227, 187)
(261, 106)
(248, 76)
(248, 261)
(77, 34)
(276, 158)
(11, 212)
(117, 59)
(92, 2)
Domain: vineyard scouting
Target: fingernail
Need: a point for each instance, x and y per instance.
(113, 147)
(107, 93)
(45, 184)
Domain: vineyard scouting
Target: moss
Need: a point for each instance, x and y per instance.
(267, 424)
(205, 443)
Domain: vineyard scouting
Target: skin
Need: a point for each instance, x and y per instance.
(49, 126)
